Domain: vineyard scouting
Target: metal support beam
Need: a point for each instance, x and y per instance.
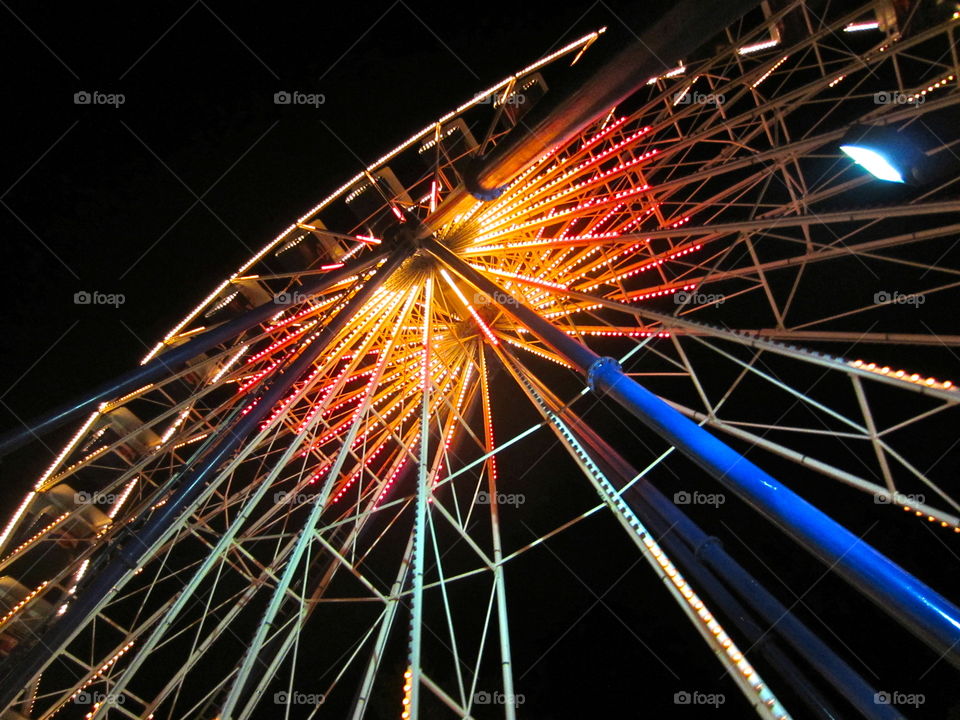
(170, 361)
(693, 549)
(20, 668)
(926, 613)
(675, 36)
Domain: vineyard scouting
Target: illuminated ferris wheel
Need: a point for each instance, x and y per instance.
(314, 448)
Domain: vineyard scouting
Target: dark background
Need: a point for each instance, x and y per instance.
(162, 198)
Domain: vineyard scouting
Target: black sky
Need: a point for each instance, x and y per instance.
(164, 196)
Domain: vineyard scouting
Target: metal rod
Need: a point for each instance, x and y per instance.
(702, 550)
(503, 626)
(676, 36)
(701, 576)
(170, 361)
(926, 613)
(672, 38)
(420, 515)
(20, 668)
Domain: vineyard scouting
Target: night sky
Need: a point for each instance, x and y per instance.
(160, 198)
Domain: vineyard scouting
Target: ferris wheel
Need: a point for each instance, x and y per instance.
(314, 450)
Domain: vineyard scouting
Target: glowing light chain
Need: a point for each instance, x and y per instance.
(112, 513)
(757, 47)
(15, 518)
(599, 223)
(572, 240)
(231, 361)
(488, 431)
(392, 478)
(411, 390)
(603, 133)
(377, 307)
(67, 449)
(479, 98)
(526, 199)
(100, 673)
(632, 297)
(281, 343)
(592, 202)
(473, 312)
(338, 429)
(169, 432)
(861, 26)
(541, 169)
(769, 72)
(643, 268)
(538, 353)
(39, 534)
(375, 374)
(931, 518)
(913, 378)
(11, 613)
(517, 276)
(715, 628)
(82, 461)
(407, 693)
(679, 70)
(77, 577)
(191, 441)
(300, 315)
(455, 420)
(325, 468)
(411, 447)
(715, 634)
(943, 82)
(256, 377)
(113, 404)
(615, 333)
(528, 203)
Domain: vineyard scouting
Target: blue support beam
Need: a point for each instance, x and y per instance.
(171, 361)
(129, 551)
(919, 608)
(702, 557)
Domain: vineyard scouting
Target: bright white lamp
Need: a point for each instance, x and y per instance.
(878, 164)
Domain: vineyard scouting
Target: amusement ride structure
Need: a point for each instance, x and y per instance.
(672, 228)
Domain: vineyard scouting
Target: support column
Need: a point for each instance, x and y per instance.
(169, 362)
(20, 668)
(926, 613)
